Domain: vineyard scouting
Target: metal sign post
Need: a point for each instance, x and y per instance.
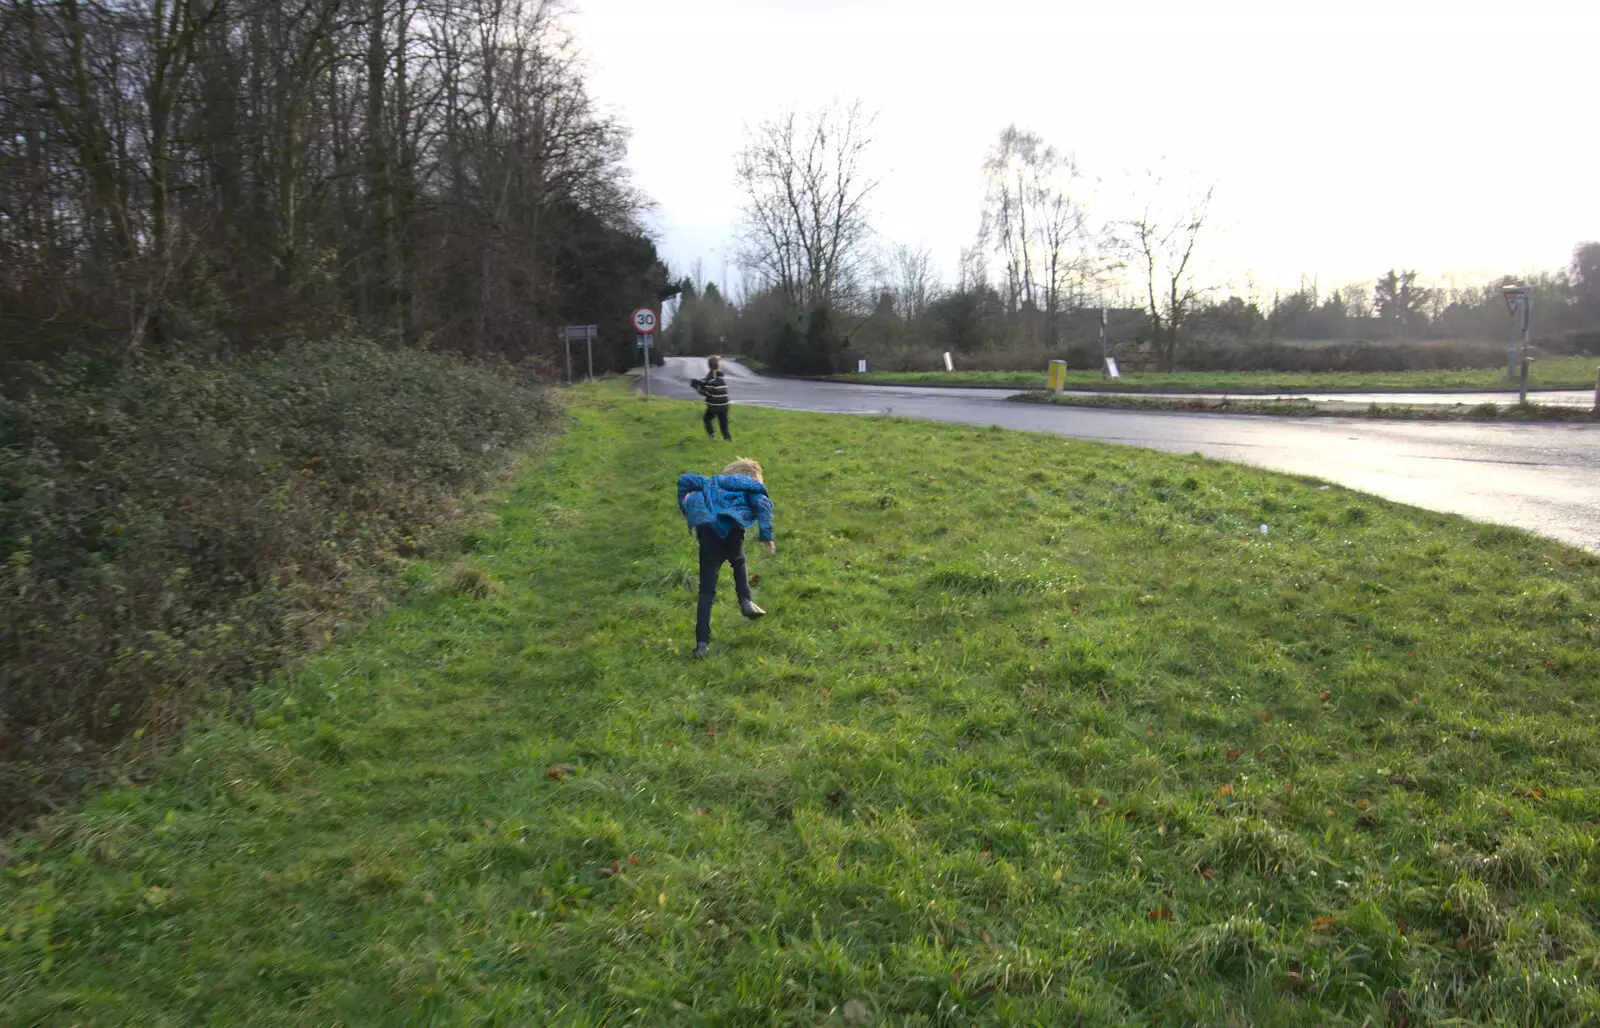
(1104, 354)
(1519, 300)
(644, 325)
(573, 333)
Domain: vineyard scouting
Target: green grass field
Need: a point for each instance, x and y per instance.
(1036, 732)
(1560, 373)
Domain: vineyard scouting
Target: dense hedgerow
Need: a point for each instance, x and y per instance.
(172, 526)
(1358, 356)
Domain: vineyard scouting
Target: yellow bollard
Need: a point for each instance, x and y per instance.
(1058, 375)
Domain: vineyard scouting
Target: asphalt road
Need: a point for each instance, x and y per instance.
(1541, 477)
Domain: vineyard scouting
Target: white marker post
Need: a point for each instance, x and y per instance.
(644, 326)
(948, 365)
(861, 367)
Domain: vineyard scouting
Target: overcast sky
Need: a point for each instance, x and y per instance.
(1457, 137)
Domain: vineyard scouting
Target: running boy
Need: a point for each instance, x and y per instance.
(719, 509)
(714, 387)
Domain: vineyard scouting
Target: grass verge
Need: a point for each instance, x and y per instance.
(1557, 373)
(1303, 408)
(1036, 731)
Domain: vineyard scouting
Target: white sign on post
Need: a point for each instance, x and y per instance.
(644, 323)
(861, 367)
(948, 365)
(1111, 367)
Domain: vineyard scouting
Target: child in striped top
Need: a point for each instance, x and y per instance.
(714, 387)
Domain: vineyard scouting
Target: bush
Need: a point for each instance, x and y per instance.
(802, 346)
(1356, 356)
(1017, 357)
(1575, 343)
(175, 525)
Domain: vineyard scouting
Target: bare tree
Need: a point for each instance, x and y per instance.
(972, 270)
(1160, 243)
(1008, 169)
(1061, 232)
(912, 275)
(1357, 300)
(806, 225)
(430, 169)
(1036, 223)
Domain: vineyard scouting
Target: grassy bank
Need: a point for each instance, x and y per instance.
(1301, 408)
(174, 525)
(1035, 731)
(1558, 373)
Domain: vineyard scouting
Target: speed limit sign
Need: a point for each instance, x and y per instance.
(644, 321)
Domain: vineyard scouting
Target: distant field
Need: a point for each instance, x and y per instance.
(1560, 373)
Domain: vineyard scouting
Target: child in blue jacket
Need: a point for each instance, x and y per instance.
(719, 509)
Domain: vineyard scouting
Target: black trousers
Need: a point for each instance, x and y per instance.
(713, 552)
(721, 415)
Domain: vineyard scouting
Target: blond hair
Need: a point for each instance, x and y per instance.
(745, 466)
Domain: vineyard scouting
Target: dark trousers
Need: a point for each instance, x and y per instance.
(721, 415)
(713, 551)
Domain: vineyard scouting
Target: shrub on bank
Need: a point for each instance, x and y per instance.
(172, 526)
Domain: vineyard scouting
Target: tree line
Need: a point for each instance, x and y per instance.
(821, 287)
(428, 172)
(1398, 306)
